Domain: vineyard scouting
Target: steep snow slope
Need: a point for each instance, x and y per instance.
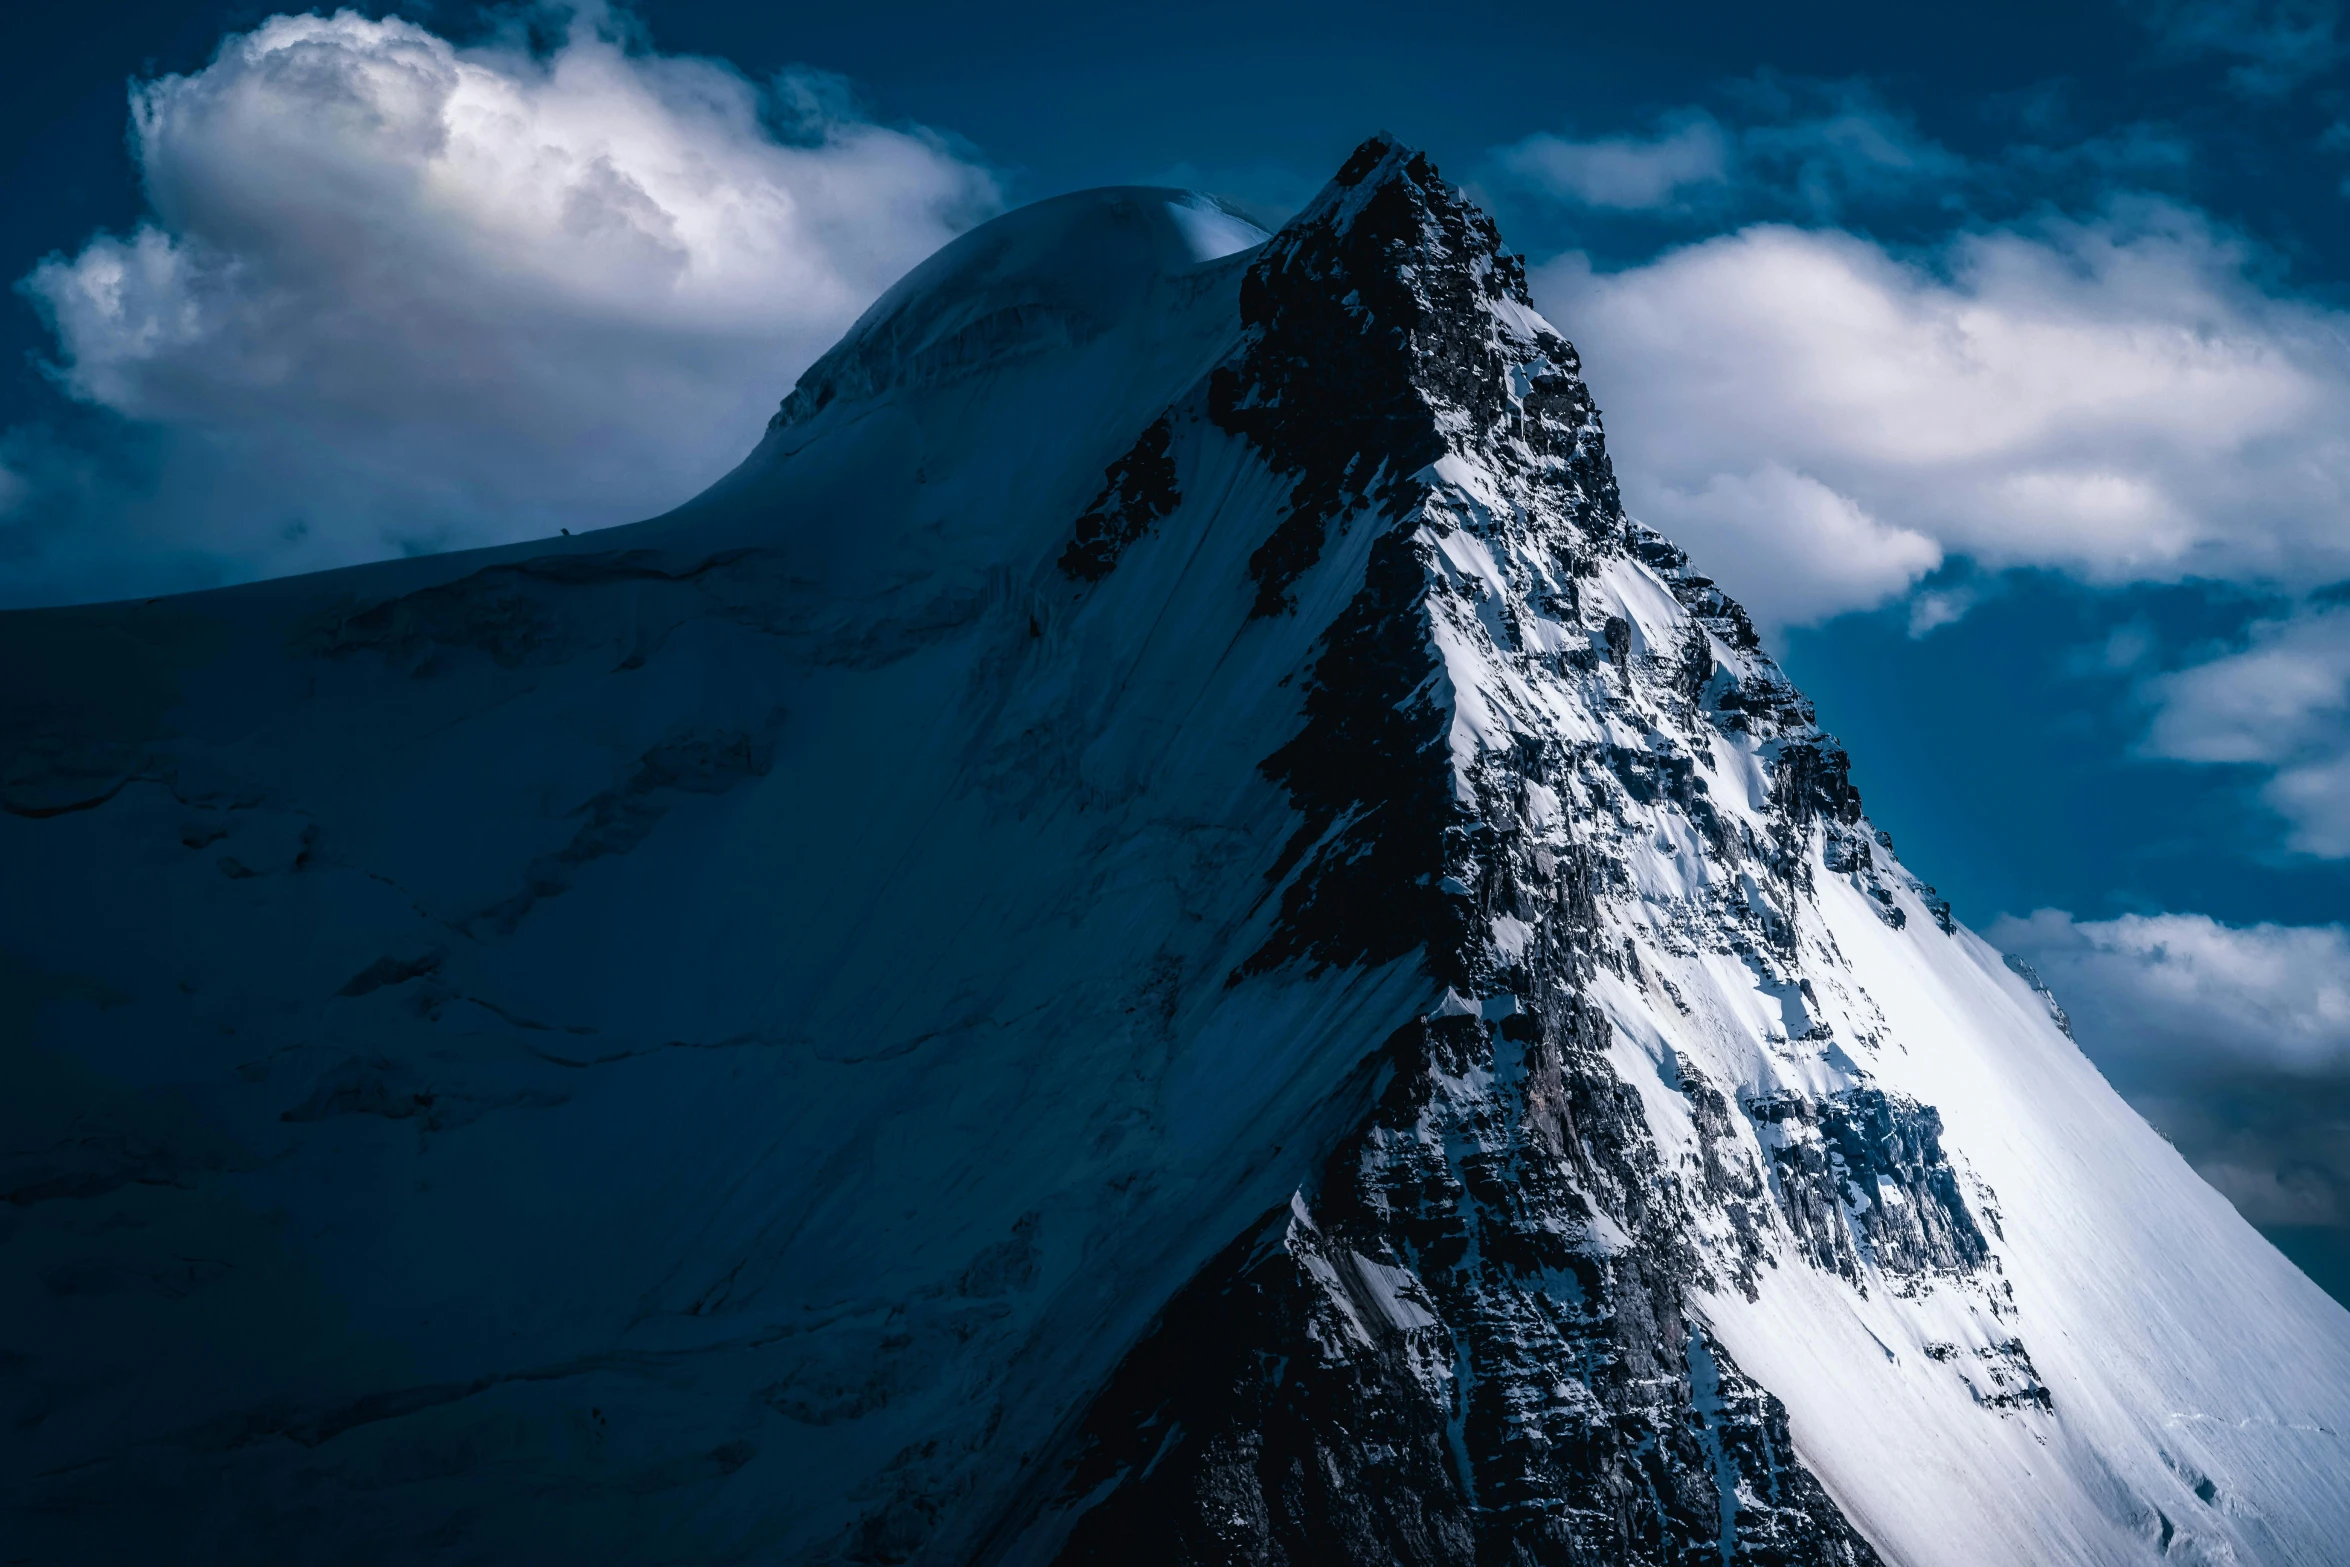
(602, 1047)
(1157, 935)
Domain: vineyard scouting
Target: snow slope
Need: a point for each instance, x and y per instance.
(1157, 935)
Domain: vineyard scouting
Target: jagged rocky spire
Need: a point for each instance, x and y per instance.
(1472, 1338)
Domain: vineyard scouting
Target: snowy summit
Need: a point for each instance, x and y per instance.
(1158, 935)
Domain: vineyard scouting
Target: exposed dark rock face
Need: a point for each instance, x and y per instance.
(2005, 1378)
(1137, 490)
(1863, 1172)
(1475, 1338)
(1366, 871)
(1371, 349)
(1370, 352)
(1474, 1347)
(2031, 976)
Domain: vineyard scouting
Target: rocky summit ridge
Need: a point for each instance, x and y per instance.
(1158, 936)
(1476, 1339)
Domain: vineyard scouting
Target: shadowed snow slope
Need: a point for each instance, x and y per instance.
(1157, 935)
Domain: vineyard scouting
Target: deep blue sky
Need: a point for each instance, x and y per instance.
(2006, 750)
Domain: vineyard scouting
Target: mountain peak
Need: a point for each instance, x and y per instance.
(1158, 937)
(1380, 160)
(1386, 325)
(1409, 203)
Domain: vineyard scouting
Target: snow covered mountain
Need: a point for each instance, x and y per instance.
(1157, 936)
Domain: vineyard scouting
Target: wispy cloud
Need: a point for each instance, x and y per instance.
(1804, 148)
(1822, 153)
(1626, 172)
(2277, 44)
(396, 294)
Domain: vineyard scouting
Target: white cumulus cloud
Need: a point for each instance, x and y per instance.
(400, 294)
(1826, 420)
(1795, 549)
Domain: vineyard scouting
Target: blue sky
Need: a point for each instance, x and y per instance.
(2000, 358)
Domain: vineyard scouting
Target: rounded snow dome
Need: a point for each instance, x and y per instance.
(1056, 273)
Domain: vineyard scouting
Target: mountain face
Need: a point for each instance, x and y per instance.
(1157, 936)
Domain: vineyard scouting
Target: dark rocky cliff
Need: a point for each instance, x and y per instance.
(1472, 1339)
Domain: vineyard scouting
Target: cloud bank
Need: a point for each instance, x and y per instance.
(400, 295)
(1823, 421)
